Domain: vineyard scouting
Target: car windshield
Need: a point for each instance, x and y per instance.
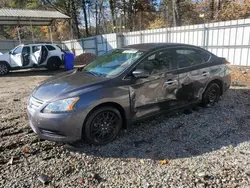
(112, 64)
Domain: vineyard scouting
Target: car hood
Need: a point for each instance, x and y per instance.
(67, 84)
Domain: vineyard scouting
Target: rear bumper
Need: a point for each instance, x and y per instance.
(66, 128)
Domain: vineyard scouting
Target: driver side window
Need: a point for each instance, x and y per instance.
(158, 62)
(18, 50)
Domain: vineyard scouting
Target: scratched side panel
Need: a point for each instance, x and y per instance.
(153, 94)
(191, 84)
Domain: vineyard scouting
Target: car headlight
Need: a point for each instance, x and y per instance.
(60, 106)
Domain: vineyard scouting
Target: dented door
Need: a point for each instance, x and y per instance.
(158, 91)
(193, 74)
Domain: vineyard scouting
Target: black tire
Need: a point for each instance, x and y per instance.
(4, 68)
(103, 121)
(211, 95)
(53, 63)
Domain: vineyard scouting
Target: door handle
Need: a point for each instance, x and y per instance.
(205, 73)
(170, 82)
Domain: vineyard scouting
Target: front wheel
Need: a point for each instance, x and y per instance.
(4, 68)
(102, 126)
(211, 95)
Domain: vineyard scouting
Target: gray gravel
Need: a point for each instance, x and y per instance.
(203, 147)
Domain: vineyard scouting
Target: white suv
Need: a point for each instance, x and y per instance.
(32, 55)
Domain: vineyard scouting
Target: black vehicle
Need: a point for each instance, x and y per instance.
(124, 86)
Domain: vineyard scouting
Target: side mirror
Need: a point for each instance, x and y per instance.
(10, 52)
(139, 73)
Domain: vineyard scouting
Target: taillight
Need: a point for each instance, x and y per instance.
(228, 63)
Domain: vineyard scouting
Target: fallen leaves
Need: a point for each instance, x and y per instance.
(142, 161)
(164, 162)
(26, 150)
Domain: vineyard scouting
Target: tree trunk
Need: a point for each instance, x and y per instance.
(96, 18)
(85, 17)
(173, 9)
(211, 9)
(75, 18)
(112, 9)
(89, 21)
(176, 13)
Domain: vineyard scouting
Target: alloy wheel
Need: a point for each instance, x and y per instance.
(3, 69)
(212, 95)
(105, 126)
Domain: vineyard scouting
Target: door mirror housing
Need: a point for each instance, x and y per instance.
(10, 52)
(139, 73)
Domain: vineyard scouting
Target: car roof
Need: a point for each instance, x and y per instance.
(32, 44)
(153, 46)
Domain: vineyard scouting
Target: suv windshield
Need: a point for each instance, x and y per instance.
(112, 64)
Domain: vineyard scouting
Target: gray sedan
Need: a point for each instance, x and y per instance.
(126, 85)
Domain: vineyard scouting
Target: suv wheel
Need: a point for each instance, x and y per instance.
(211, 95)
(4, 68)
(103, 126)
(53, 63)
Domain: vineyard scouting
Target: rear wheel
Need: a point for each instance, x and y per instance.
(102, 126)
(4, 68)
(211, 95)
(53, 63)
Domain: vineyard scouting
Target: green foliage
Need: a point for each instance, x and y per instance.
(32, 4)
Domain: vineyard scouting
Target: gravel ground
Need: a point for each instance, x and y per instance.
(202, 147)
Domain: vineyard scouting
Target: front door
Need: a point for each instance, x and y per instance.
(193, 74)
(16, 57)
(158, 91)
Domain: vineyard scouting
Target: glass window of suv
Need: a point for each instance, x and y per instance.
(17, 50)
(191, 57)
(36, 48)
(50, 48)
(160, 61)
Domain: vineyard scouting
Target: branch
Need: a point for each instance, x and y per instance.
(56, 8)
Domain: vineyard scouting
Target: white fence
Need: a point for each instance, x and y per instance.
(230, 39)
(96, 45)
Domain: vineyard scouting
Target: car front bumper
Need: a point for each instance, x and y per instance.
(66, 127)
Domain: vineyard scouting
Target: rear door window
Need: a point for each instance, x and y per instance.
(50, 48)
(36, 48)
(191, 57)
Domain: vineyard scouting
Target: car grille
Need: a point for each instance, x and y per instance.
(35, 103)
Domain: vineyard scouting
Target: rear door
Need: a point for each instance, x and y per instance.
(158, 91)
(39, 54)
(193, 72)
(36, 54)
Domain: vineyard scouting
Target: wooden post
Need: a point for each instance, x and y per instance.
(18, 33)
(50, 33)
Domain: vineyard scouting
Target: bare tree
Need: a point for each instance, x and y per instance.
(84, 7)
(176, 12)
(212, 9)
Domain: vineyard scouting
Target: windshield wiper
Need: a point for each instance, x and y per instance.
(92, 73)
